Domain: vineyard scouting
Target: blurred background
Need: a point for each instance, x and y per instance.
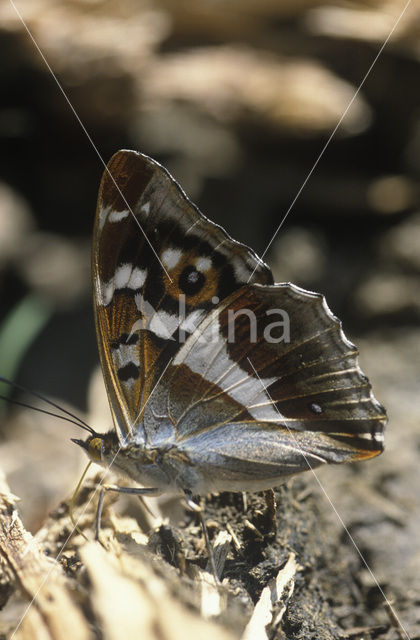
(237, 99)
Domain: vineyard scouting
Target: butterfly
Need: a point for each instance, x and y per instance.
(217, 378)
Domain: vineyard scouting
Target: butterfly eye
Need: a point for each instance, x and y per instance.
(95, 449)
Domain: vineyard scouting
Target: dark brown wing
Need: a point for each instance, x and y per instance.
(158, 267)
(269, 376)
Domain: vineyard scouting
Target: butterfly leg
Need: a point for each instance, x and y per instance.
(197, 509)
(138, 491)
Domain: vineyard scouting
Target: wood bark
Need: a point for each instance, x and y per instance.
(154, 584)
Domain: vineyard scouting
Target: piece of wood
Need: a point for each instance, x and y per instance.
(50, 611)
(276, 594)
(153, 585)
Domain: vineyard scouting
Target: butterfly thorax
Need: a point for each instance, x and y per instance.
(144, 463)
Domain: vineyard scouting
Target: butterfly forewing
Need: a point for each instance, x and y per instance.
(159, 266)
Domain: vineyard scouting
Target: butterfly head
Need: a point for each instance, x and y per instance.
(100, 447)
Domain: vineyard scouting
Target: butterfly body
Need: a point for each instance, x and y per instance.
(218, 379)
(200, 465)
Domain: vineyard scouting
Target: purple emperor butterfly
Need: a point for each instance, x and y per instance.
(218, 379)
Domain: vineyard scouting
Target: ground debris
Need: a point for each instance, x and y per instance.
(299, 583)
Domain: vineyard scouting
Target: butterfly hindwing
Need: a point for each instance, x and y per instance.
(159, 266)
(269, 381)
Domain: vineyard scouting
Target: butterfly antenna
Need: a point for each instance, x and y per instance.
(73, 498)
(73, 418)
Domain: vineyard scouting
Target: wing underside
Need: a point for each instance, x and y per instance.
(269, 378)
(158, 267)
